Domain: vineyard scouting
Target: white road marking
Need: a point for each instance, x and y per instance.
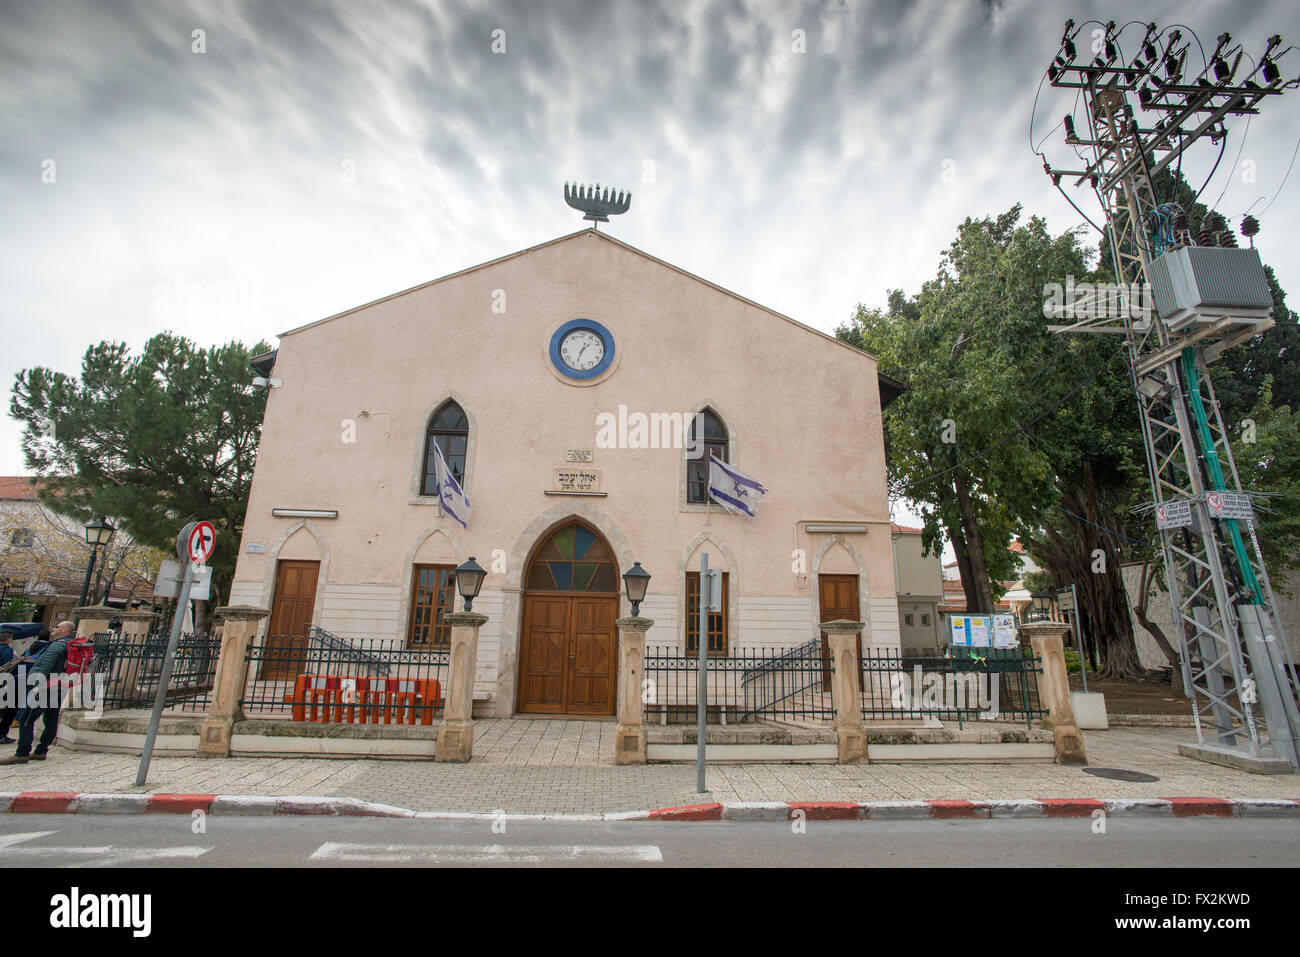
(10, 839)
(489, 854)
(104, 855)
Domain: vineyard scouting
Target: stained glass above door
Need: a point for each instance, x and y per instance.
(573, 559)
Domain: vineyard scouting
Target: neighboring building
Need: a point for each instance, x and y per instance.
(515, 369)
(920, 590)
(44, 555)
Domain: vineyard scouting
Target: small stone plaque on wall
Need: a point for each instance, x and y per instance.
(576, 480)
(577, 455)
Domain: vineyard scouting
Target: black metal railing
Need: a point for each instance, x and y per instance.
(748, 684)
(991, 684)
(126, 670)
(321, 677)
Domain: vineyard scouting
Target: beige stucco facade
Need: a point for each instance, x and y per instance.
(345, 431)
(920, 590)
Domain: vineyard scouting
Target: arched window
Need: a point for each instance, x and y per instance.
(714, 443)
(450, 429)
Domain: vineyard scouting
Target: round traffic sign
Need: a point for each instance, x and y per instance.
(1216, 501)
(1162, 513)
(202, 539)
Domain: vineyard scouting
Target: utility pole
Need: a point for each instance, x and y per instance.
(1237, 668)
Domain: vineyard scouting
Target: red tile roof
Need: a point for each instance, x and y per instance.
(904, 529)
(17, 488)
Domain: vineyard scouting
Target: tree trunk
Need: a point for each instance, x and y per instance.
(1154, 630)
(978, 584)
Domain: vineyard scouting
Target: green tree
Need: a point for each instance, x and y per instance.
(154, 440)
(978, 360)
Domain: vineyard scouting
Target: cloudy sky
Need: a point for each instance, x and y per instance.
(295, 159)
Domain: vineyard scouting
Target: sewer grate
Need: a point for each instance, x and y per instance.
(1119, 774)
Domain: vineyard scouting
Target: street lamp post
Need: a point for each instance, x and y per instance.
(97, 533)
(469, 579)
(1042, 605)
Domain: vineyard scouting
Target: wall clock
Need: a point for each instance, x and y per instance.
(582, 349)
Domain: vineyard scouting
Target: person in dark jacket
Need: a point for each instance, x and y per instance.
(7, 685)
(49, 663)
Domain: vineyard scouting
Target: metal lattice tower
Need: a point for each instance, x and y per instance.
(1235, 660)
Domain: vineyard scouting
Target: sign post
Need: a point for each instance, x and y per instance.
(1068, 601)
(702, 681)
(193, 547)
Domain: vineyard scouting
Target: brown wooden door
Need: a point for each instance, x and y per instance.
(593, 658)
(569, 656)
(291, 610)
(544, 654)
(838, 595)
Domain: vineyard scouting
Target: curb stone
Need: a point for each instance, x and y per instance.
(72, 802)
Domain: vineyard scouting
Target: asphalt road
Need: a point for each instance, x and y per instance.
(88, 841)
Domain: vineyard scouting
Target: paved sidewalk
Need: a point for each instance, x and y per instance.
(530, 767)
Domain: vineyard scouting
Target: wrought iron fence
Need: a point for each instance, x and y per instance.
(321, 677)
(996, 684)
(748, 684)
(126, 670)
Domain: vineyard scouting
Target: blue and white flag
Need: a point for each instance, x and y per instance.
(450, 494)
(733, 490)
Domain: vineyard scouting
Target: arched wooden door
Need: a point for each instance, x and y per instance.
(568, 646)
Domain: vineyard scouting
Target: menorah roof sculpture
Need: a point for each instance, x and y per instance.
(598, 206)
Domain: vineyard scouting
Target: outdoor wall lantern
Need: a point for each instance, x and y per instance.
(636, 579)
(469, 579)
(1042, 605)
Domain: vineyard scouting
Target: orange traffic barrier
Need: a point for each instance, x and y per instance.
(345, 699)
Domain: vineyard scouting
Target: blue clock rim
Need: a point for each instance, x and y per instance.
(599, 368)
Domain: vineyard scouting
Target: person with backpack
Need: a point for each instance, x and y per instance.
(49, 663)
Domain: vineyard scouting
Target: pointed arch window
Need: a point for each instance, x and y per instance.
(449, 428)
(715, 442)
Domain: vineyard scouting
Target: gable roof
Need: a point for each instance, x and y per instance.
(17, 488)
(589, 232)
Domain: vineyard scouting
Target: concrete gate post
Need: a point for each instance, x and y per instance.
(629, 738)
(456, 732)
(1048, 641)
(846, 690)
(239, 624)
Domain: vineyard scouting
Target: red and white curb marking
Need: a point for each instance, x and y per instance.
(71, 802)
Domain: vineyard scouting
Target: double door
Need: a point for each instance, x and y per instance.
(569, 655)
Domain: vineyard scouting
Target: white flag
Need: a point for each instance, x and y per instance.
(733, 490)
(450, 494)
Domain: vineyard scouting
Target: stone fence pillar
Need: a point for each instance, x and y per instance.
(239, 624)
(629, 738)
(1048, 641)
(456, 732)
(846, 689)
(93, 620)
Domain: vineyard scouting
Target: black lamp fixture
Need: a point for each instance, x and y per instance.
(636, 579)
(97, 533)
(1042, 605)
(469, 579)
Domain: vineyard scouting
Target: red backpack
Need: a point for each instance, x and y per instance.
(80, 651)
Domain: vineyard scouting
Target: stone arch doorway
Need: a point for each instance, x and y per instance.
(568, 647)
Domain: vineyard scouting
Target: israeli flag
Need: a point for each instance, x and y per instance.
(450, 494)
(733, 490)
